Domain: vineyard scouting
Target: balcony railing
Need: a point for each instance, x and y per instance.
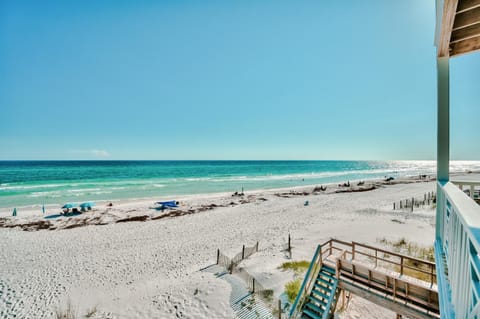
(457, 252)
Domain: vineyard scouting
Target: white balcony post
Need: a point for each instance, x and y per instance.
(443, 136)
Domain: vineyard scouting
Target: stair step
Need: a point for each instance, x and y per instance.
(311, 314)
(320, 294)
(315, 308)
(328, 269)
(325, 281)
(327, 274)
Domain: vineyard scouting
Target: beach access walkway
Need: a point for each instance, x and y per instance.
(242, 300)
(400, 283)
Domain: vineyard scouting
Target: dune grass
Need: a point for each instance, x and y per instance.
(409, 248)
(297, 267)
(68, 313)
(292, 288)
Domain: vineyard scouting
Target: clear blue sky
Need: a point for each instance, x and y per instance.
(266, 79)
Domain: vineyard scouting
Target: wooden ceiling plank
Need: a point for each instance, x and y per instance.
(448, 17)
(465, 5)
(465, 46)
(467, 18)
(465, 33)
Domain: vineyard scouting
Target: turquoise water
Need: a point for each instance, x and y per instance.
(24, 183)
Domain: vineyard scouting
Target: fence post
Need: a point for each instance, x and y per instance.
(218, 255)
(253, 285)
(289, 246)
(257, 246)
(279, 309)
(393, 206)
(243, 252)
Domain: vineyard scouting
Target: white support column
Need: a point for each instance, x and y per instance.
(443, 135)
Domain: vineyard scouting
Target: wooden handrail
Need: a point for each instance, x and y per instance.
(424, 267)
(396, 287)
(395, 254)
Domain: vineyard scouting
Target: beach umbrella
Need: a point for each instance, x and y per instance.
(14, 212)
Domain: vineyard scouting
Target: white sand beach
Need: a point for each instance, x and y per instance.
(151, 268)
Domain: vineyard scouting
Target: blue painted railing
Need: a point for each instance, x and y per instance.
(458, 239)
(326, 314)
(306, 287)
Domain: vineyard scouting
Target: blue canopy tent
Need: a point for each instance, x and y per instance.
(86, 206)
(67, 206)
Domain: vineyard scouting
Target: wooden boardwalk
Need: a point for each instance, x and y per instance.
(383, 277)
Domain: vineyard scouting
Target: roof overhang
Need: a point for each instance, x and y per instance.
(458, 27)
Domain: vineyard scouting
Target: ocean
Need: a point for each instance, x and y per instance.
(36, 183)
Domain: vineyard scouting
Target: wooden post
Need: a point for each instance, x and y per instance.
(338, 266)
(257, 246)
(218, 255)
(401, 266)
(330, 245)
(253, 285)
(376, 258)
(394, 289)
(243, 252)
(353, 251)
(280, 308)
(393, 206)
(431, 275)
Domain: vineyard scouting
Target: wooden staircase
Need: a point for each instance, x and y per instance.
(323, 298)
(359, 269)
